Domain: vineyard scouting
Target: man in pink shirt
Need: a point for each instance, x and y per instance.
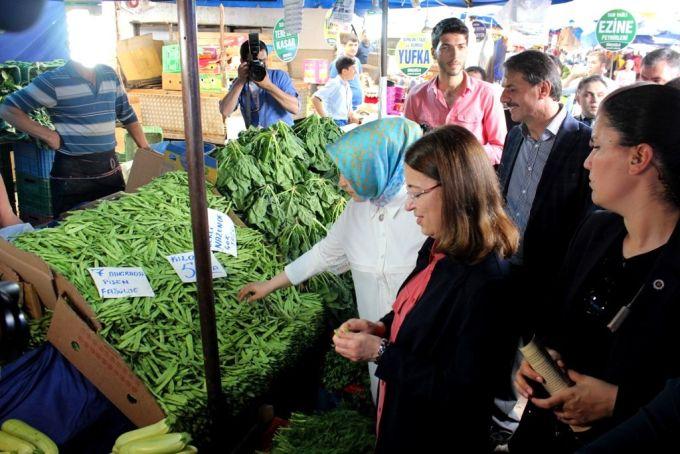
(453, 97)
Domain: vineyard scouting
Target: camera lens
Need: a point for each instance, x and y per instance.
(257, 71)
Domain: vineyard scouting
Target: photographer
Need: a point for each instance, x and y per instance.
(268, 100)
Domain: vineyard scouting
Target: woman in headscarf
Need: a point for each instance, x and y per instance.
(448, 344)
(374, 238)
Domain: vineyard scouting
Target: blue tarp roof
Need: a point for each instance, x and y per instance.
(46, 40)
(360, 5)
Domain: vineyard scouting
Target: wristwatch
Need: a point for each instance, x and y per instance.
(384, 343)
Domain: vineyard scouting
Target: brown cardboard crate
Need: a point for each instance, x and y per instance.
(73, 331)
(140, 58)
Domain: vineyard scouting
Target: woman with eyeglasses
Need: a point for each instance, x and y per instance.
(442, 349)
(617, 336)
(374, 238)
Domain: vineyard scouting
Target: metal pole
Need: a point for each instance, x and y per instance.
(383, 40)
(186, 11)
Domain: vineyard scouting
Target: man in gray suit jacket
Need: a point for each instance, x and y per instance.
(545, 186)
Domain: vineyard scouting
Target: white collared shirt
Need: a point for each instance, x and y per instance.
(378, 245)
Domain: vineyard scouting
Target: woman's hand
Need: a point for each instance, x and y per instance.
(356, 346)
(258, 290)
(526, 371)
(255, 291)
(356, 325)
(589, 400)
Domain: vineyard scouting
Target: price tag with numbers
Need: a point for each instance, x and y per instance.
(185, 266)
(222, 232)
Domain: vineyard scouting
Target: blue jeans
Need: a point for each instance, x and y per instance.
(340, 122)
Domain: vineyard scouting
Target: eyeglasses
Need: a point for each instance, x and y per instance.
(413, 197)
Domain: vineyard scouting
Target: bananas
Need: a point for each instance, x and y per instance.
(20, 429)
(154, 439)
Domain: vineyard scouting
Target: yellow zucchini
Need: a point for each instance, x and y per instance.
(160, 444)
(22, 430)
(16, 445)
(159, 428)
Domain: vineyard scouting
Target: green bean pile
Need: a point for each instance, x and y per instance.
(160, 337)
(339, 431)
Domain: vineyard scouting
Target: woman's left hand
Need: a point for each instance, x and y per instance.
(356, 346)
(589, 400)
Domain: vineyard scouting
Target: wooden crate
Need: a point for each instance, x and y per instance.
(163, 108)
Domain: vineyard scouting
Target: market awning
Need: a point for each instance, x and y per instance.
(360, 5)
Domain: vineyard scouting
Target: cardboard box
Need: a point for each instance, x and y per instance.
(172, 81)
(140, 58)
(148, 165)
(73, 331)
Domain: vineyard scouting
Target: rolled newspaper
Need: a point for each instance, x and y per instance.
(541, 361)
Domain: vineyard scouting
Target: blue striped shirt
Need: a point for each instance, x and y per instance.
(84, 115)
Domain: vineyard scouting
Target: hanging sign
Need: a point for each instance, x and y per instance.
(330, 30)
(479, 29)
(185, 266)
(342, 12)
(121, 282)
(413, 54)
(292, 15)
(222, 232)
(616, 29)
(285, 44)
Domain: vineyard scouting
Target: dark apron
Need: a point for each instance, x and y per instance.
(77, 179)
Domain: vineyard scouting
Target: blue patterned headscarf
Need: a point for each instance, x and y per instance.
(371, 157)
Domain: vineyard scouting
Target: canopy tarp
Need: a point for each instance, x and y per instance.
(47, 39)
(360, 5)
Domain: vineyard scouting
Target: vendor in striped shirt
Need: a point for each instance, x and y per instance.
(84, 104)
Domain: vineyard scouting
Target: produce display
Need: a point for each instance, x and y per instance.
(283, 184)
(159, 337)
(154, 439)
(18, 437)
(14, 75)
(338, 431)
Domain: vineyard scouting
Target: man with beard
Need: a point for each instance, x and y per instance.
(453, 97)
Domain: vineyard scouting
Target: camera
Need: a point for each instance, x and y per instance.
(256, 69)
(14, 331)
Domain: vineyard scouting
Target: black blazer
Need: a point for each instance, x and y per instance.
(451, 350)
(645, 350)
(643, 353)
(562, 201)
(653, 429)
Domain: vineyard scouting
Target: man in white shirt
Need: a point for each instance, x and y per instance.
(334, 99)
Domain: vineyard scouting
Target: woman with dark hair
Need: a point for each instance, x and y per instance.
(617, 336)
(446, 341)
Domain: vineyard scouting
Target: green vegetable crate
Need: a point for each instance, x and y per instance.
(35, 195)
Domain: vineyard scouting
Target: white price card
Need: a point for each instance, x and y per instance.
(185, 266)
(121, 282)
(222, 232)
